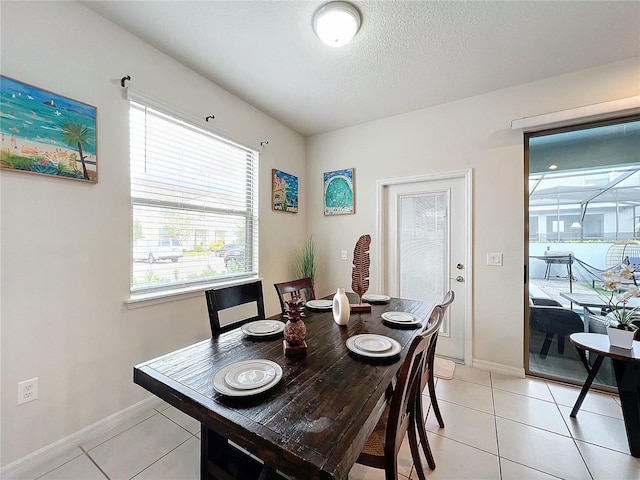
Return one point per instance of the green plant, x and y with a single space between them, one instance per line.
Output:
305 260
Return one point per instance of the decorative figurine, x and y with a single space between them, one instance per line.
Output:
360 273
295 331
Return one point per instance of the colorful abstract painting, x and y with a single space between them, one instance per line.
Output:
45 133
285 192
339 192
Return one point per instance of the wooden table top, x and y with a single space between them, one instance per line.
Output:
598 343
315 422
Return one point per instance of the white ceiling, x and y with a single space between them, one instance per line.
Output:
407 55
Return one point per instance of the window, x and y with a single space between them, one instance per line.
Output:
193 195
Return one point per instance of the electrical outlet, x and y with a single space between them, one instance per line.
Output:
27 391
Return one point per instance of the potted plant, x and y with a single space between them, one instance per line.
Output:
620 327
305 260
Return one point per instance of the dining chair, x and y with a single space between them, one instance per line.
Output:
224 298
399 416
294 288
426 378
429 367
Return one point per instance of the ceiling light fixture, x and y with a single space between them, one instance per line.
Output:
336 23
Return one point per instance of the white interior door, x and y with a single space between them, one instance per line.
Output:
426 251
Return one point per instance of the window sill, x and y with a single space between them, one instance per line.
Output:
155 298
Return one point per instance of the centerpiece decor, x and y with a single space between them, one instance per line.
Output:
619 321
360 273
295 331
341 311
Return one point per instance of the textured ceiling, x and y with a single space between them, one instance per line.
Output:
407 55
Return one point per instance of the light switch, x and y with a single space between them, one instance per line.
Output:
343 254
494 259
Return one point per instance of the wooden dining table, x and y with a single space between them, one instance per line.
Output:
313 423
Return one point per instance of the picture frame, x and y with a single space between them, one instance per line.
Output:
339 193
284 191
44 133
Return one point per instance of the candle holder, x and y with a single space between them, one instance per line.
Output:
295 331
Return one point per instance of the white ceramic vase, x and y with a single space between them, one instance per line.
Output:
341 307
620 338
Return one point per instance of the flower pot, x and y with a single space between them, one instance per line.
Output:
620 338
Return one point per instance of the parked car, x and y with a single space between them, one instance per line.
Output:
234 257
165 248
222 252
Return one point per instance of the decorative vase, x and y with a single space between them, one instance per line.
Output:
341 308
620 338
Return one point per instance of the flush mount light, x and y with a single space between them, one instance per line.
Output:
336 23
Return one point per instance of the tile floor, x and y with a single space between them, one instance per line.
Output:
496 427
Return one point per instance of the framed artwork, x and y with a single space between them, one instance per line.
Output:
284 192
45 133
339 192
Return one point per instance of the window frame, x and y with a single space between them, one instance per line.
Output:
185 287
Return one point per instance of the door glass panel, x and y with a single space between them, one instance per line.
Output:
423 246
584 206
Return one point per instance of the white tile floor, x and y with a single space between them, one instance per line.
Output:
496 427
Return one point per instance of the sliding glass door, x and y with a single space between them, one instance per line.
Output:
583 208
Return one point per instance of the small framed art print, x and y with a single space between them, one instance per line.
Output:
339 192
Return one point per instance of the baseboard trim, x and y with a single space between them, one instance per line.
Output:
498 368
66 444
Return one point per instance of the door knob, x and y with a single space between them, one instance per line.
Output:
459 278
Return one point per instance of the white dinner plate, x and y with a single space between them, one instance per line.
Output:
320 304
220 384
372 343
375 298
394 350
401 318
250 375
261 328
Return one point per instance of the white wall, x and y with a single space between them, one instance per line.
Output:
472 133
65 244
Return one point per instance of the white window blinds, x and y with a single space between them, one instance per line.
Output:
194 201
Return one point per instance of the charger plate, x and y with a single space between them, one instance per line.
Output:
261 328
401 318
352 344
235 371
319 304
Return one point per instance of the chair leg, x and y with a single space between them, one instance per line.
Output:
415 452
561 344
545 346
419 422
434 400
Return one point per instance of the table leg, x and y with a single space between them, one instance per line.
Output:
628 379
587 385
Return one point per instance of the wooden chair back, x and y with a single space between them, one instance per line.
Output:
294 289
228 297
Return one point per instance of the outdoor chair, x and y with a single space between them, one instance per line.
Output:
554 321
